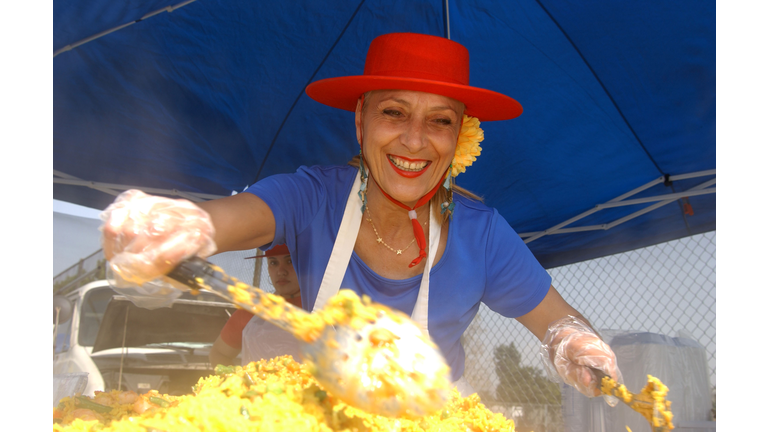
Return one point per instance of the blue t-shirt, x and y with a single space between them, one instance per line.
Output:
484 259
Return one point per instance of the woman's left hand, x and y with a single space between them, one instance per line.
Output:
573 349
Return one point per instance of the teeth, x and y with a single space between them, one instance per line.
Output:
408 166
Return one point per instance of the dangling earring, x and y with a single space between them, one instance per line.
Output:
448 204
363 184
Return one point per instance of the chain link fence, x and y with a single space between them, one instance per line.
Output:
243 266
666 289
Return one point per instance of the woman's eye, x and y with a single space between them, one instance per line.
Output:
392 112
444 121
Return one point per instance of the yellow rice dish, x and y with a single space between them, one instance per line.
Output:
268 395
397 375
651 398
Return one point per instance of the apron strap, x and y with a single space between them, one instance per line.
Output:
345 244
342 248
421 310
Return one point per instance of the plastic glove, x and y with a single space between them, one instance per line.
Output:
570 348
144 237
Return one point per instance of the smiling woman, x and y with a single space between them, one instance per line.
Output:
412 140
417 124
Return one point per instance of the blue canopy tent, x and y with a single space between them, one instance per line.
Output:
615 149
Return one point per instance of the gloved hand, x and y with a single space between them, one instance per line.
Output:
570 347
144 237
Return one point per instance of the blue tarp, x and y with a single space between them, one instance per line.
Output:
210 98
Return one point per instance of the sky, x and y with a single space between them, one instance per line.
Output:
75 234
75 210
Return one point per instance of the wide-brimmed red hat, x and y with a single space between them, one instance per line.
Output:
275 251
417 62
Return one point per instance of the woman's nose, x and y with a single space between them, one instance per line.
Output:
414 137
282 269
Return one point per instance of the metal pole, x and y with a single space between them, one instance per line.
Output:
447 21
122 352
115 189
168 9
56 330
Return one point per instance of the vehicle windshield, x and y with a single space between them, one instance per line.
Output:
91 313
95 303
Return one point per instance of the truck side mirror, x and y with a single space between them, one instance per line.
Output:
64 307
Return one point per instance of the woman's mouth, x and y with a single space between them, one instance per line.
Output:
408 167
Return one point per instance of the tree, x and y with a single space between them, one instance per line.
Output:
528 388
521 384
476 362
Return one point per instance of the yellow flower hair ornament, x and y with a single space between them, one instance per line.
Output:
468 146
467 150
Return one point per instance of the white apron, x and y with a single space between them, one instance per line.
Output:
262 340
342 253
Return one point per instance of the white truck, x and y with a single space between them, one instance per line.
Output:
122 346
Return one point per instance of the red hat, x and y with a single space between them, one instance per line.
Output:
417 62
275 251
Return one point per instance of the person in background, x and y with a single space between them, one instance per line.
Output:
254 337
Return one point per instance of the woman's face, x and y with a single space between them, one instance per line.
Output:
409 139
282 275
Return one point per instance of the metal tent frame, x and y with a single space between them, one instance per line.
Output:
705 188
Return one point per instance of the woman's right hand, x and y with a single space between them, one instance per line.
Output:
144 237
574 350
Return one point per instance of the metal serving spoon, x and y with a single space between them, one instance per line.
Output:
383 365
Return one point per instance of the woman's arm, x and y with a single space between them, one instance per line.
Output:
243 221
144 237
571 348
222 353
552 308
